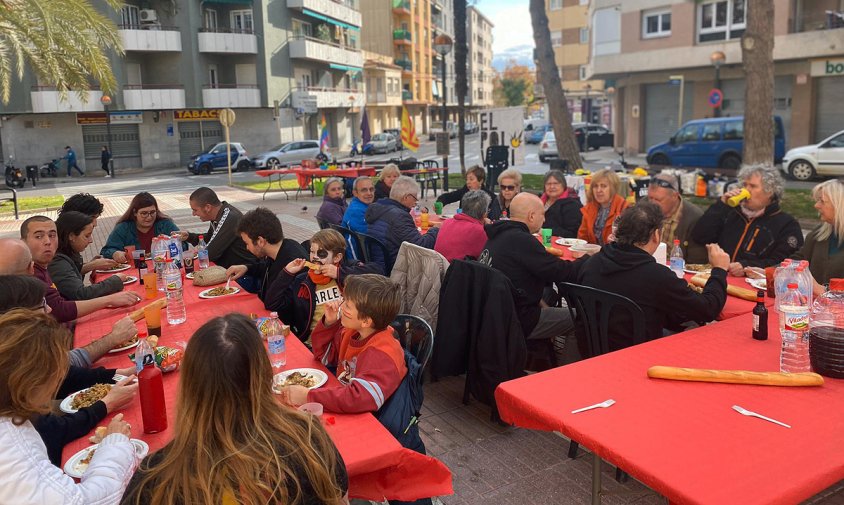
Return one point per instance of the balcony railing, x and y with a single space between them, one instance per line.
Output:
401 7
328 98
310 48
150 37
345 11
227 40
406 65
231 95
402 35
815 20
48 99
153 96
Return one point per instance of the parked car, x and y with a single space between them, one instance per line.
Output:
289 153
824 158
470 127
451 127
383 143
215 158
536 135
599 136
533 123
548 147
396 132
710 143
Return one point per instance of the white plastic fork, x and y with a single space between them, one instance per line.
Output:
745 412
602 405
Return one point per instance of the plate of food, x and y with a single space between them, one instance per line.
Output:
218 292
77 464
118 268
311 378
130 279
698 268
189 275
757 283
84 398
125 346
568 242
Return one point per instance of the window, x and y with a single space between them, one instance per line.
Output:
584 35
711 132
301 28
721 20
555 5
687 134
241 21
606 36
556 40
130 17
581 72
734 130
212 76
656 24
209 20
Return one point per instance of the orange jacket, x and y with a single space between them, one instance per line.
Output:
590 213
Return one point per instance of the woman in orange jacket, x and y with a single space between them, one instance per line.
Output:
603 205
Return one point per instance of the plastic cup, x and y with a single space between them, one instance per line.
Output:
769 281
312 408
130 249
438 208
152 315
733 201
546 237
151 285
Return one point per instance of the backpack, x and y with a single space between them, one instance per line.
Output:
400 413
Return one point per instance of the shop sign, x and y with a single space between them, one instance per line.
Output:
827 66
118 117
197 114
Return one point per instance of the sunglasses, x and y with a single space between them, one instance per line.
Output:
662 184
507 188
321 254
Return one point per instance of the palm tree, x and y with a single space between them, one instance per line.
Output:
460 84
65 43
757 54
550 78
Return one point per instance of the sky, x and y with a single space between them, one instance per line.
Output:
512 35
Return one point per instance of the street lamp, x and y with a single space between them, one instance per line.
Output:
106 101
587 88
717 58
443 45
611 96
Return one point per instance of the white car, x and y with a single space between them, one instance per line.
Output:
548 147
383 143
290 153
824 158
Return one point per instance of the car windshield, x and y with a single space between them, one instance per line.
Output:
280 146
380 136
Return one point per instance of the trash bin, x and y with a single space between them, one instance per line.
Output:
559 164
32 174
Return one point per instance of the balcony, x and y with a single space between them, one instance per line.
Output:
328 98
153 96
402 37
228 41
346 12
47 99
382 98
151 38
401 8
406 65
309 48
231 95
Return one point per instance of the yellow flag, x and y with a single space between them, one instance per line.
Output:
408 131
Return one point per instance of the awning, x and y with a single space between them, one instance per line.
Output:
233 2
335 66
328 19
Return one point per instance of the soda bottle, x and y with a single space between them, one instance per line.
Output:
187 260
676 261
423 219
276 335
794 323
202 253
142 267
175 303
760 317
151 392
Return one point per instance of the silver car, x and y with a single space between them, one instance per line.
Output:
284 155
383 143
548 146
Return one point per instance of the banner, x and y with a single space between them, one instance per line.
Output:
504 127
408 131
365 134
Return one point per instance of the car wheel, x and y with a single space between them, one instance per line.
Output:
242 166
730 162
272 163
801 170
659 159
542 159
205 168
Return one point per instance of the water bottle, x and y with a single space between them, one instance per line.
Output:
794 323
175 303
160 251
202 253
142 350
175 247
151 391
677 263
276 334
826 331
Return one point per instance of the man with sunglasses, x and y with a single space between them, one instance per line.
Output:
679 216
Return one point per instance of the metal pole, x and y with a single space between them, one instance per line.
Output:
596 479
588 120
682 97
445 123
108 141
717 111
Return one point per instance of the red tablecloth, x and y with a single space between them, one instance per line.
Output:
305 175
378 466
682 438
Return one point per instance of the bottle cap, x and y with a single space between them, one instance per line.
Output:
792 285
142 334
168 259
202 236
676 241
836 284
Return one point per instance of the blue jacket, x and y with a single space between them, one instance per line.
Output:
391 223
71 156
400 414
126 233
354 219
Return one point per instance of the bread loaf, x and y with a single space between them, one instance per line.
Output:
209 276
743 293
137 315
735 376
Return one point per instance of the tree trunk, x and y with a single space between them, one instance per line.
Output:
549 76
757 52
460 83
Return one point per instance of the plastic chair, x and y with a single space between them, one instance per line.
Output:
591 309
323 224
367 243
416 336
354 245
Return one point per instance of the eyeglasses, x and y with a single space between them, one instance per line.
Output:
147 213
415 198
507 188
662 184
321 254
370 189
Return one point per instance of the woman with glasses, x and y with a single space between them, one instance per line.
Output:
510 185
137 226
333 204
562 206
475 177
824 245
603 205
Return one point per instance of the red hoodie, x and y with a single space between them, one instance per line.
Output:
459 237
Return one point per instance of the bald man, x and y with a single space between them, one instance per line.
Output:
514 251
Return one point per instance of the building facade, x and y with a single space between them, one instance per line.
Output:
442 23
649 50
383 92
479 73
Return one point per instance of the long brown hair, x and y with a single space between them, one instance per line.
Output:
232 436
141 200
33 357
71 222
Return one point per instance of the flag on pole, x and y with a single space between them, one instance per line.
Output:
323 136
365 134
408 131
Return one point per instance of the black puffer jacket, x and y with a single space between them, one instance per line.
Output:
493 212
564 216
391 223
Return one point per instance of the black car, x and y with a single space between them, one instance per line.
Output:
598 136
397 134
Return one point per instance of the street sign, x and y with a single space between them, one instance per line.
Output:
443 144
715 98
226 117
307 103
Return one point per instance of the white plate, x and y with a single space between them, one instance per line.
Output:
319 375
694 272
130 279
115 270
74 468
570 241
189 276
65 407
124 348
204 294
757 283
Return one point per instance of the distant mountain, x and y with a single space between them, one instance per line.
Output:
522 54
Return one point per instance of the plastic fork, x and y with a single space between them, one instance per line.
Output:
228 281
750 413
602 405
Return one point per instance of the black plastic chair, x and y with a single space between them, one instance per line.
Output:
353 243
323 224
416 336
591 310
367 243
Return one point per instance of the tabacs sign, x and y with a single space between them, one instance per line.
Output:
196 114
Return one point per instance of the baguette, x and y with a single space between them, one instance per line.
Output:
735 376
743 293
137 315
555 251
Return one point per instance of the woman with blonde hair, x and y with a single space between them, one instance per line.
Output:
386 178
33 363
233 441
603 205
510 185
824 245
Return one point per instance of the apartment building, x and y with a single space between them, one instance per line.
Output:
568 21
442 23
645 50
479 73
279 69
383 92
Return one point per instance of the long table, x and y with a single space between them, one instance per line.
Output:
683 439
306 176
378 466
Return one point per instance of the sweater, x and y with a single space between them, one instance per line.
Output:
222 241
354 218
493 211
564 216
62 309
126 233
68 278
332 209
369 369
459 237
590 214
391 223
823 266
381 190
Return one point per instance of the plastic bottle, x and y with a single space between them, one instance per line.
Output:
424 223
160 252
677 263
175 303
151 391
175 246
276 344
142 267
826 331
700 187
202 253
142 350
794 323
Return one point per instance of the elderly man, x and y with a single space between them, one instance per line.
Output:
364 194
513 250
627 265
389 221
679 216
464 235
756 233
225 247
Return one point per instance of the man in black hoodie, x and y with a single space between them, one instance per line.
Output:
516 253
627 267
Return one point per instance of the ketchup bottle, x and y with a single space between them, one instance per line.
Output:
151 390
